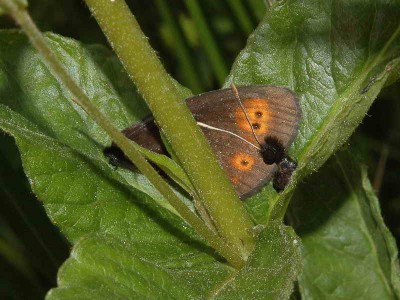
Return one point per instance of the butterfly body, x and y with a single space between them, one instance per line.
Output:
273 117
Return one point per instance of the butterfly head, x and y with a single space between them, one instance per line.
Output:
282 177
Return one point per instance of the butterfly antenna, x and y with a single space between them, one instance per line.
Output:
236 93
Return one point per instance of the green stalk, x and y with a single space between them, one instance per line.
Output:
182 51
176 123
208 41
240 12
258 7
13 254
23 19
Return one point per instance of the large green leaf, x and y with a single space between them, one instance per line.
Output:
146 272
119 230
336 55
348 251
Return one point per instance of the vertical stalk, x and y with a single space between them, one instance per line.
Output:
259 8
176 123
182 51
208 41
240 12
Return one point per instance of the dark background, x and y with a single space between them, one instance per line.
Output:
31 249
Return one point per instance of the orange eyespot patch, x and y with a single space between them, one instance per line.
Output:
258 113
242 161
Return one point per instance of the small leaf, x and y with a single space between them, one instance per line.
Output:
170 167
348 251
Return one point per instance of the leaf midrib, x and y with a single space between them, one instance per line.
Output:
337 108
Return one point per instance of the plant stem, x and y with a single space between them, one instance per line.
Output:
240 12
38 41
258 8
181 49
176 123
208 41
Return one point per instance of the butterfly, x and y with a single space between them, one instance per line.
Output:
249 128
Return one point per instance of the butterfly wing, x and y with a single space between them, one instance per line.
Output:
145 133
272 111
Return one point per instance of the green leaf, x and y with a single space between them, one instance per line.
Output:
348 251
160 273
170 167
126 245
270 270
336 55
43 100
83 202
102 268
57 125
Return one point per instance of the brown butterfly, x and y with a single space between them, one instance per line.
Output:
249 128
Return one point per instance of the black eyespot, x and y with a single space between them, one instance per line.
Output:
258 114
255 126
244 162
